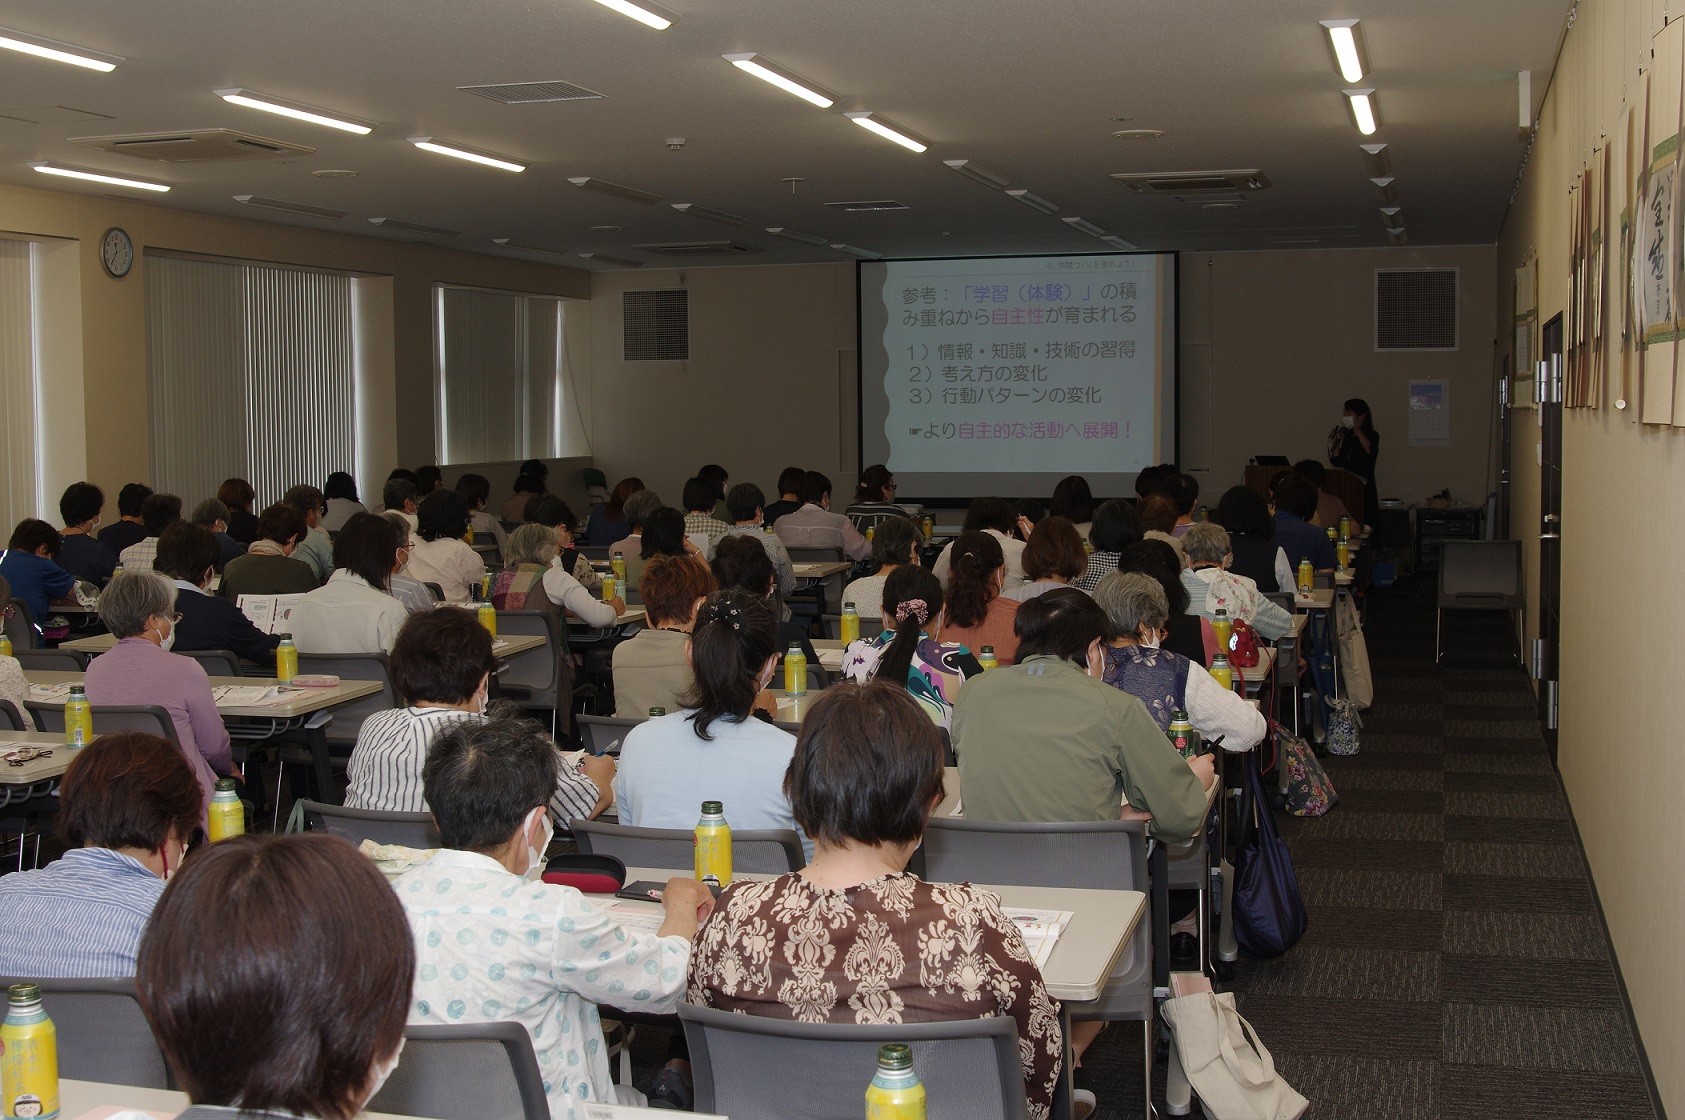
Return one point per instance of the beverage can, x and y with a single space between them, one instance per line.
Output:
1181 734
609 583
617 565
795 671
5 645
1343 551
986 658
469 535
286 659
485 587
488 617
1332 533
870 529
225 816
929 526
1221 672
1223 627
895 1092
29 1062
1345 527
1306 577
713 846
656 712
78 718
850 626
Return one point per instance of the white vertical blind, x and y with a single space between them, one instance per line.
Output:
196 344
19 467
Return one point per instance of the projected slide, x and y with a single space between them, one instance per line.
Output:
1002 375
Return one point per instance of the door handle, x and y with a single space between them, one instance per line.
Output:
1550 536
1552 519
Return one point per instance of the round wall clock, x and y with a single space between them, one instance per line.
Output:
117 252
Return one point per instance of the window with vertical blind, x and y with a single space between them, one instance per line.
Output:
502 377
20 473
253 373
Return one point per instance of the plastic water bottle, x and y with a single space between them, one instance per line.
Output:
850 626
78 718
713 846
795 671
895 1092
226 816
286 659
29 1056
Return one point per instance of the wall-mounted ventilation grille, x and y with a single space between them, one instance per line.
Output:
655 325
1415 309
531 93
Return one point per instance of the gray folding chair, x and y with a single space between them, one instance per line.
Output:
21 627
348 718
102 1035
215 662
465 1072
51 660
771 851
1104 855
411 830
742 1065
820 603
10 718
1479 575
542 677
604 734
110 718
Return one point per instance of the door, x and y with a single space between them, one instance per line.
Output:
1549 392
1506 386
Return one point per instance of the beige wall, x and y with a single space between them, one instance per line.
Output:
113 312
1621 485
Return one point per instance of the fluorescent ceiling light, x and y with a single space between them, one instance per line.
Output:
856 251
1365 113
784 78
459 151
711 215
414 227
67 172
892 132
58 52
615 190
1089 228
1119 243
1392 217
508 243
1377 157
1384 188
604 258
1397 236
290 207
1346 39
294 110
1034 201
971 169
650 15
789 234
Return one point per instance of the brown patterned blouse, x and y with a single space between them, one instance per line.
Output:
892 950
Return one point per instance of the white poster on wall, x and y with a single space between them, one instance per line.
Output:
1430 413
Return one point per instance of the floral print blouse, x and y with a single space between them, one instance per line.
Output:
892 950
934 675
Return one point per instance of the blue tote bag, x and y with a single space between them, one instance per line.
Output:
1269 914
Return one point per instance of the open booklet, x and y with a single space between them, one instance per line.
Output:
1041 929
270 613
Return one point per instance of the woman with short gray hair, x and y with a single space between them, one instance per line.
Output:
139 609
1164 681
1212 587
529 581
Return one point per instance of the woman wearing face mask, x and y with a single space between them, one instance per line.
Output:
139 610
1164 681
298 1011
1353 446
441 666
717 748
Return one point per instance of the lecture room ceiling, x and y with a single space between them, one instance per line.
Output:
1032 93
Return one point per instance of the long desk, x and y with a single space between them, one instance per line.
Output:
294 702
95 644
38 775
78 1097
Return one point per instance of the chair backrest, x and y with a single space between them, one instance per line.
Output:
1480 573
742 1065
215 662
435 590
20 626
771 851
10 718
538 670
815 555
465 1072
51 660
594 552
102 1035
412 830
604 734
348 718
111 718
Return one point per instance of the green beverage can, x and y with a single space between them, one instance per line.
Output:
1181 734
78 718
29 1057
713 846
657 712
895 1092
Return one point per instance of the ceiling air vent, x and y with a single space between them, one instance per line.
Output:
1415 309
194 145
533 93
696 248
878 204
1176 183
655 325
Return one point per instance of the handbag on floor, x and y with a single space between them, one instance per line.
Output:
1354 653
1343 724
1308 791
1269 914
1226 1063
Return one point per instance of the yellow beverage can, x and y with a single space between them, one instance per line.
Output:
849 629
895 1092
225 816
29 1057
986 658
286 659
5 645
795 671
1223 627
608 589
1344 552
488 618
1221 672
78 718
713 846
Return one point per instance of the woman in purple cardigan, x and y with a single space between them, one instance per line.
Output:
139 610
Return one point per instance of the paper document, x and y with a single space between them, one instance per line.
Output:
1041 929
48 693
637 917
272 614
830 658
242 695
627 1112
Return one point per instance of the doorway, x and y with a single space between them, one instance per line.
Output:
1545 660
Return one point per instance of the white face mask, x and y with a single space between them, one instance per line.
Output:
535 856
166 641
382 1072
1348 421
1151 642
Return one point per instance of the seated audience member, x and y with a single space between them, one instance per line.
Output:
441 555
1183 491
1246 515
342 501
874 500
157 513
476 490
700 498
1212 587
1295 505
128 807
1030 512
268 567
1164 681
411 592
539 954
715 747
530 581
429 479
790 481
81 553
28 565
744 504
306 979
14 686
651 668
866 775
1074 501
187 553
638 509
742 564
400 496
1053 557
213 516
441 667
975 613
895 544
609 524
1329 509
996 517
352 612
557 516
716 477
139 610
315 547
903 652
127 529
664 535
1158 521
531 480
237 494
1161 562
1116 526
815 526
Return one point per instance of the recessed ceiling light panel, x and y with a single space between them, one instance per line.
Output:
25 43
784 78
284 108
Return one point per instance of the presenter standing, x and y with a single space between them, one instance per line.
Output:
1353 446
